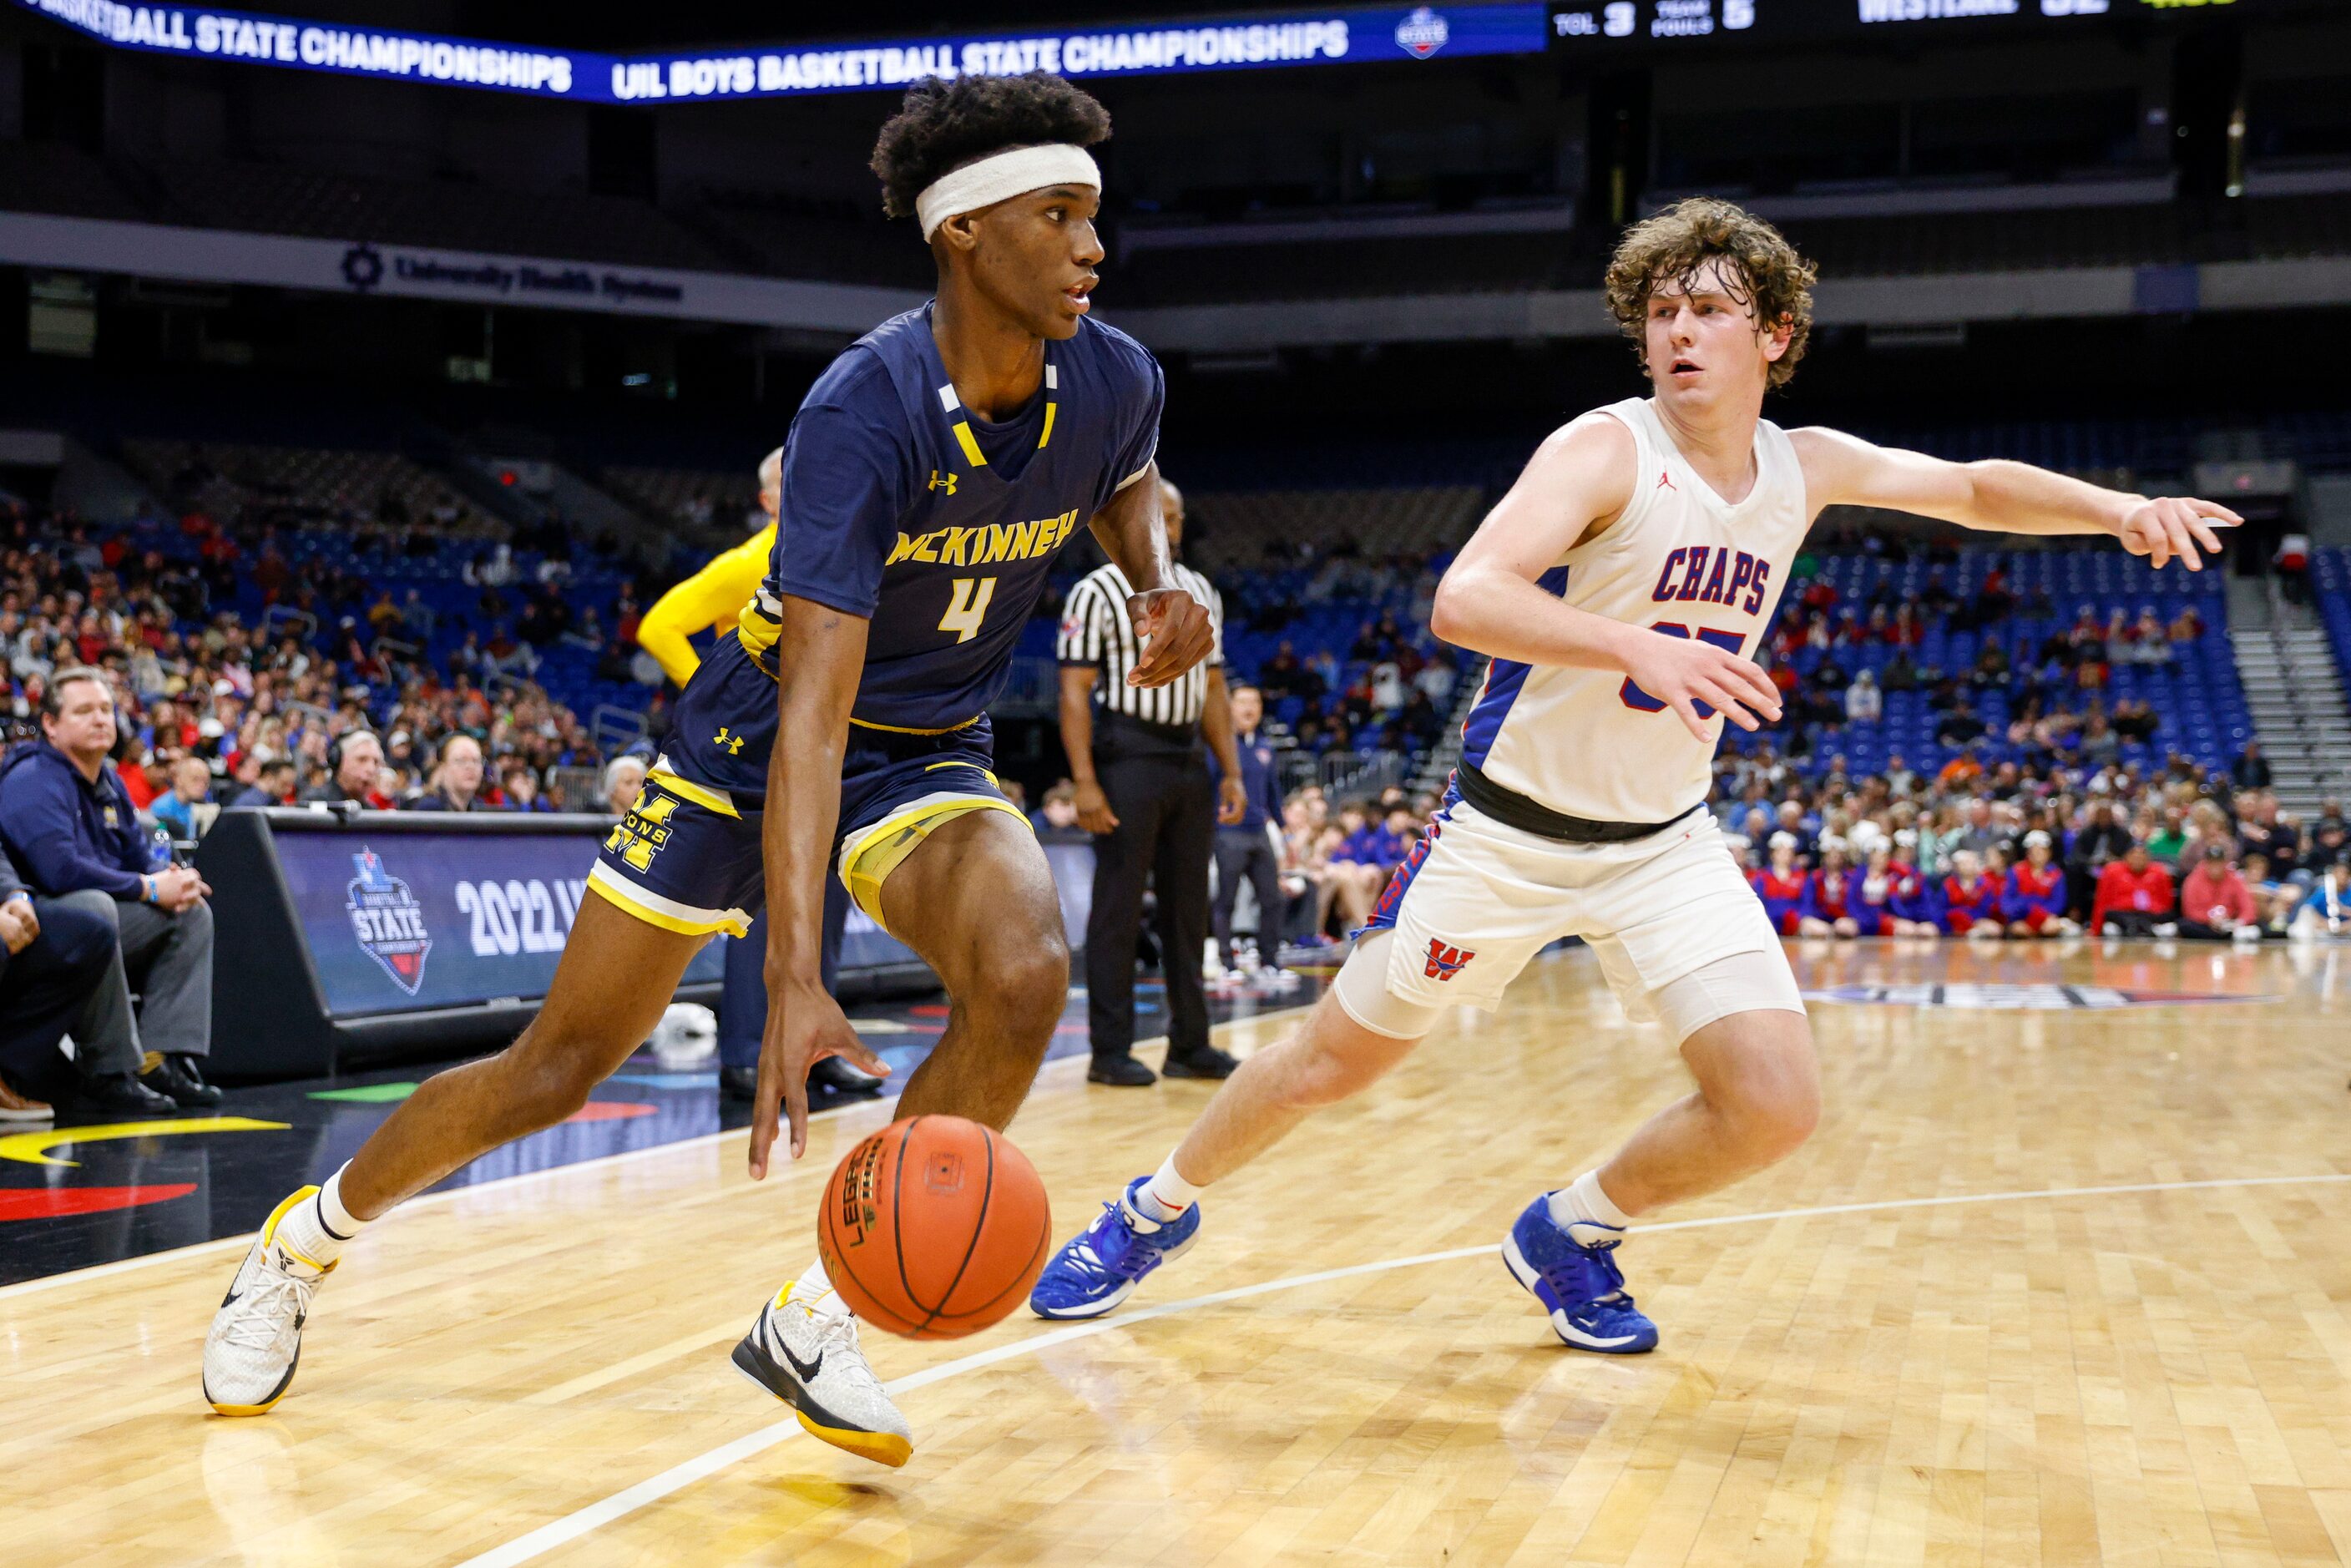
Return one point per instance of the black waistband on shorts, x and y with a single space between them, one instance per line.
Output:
1513 810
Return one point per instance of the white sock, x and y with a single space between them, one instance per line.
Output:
1166 1194
321 1228
812 1283
1587 1211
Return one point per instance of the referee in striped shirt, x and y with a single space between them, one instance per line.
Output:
1145 793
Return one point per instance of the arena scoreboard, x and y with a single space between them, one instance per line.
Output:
1607 27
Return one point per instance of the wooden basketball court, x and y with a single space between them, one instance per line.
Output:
2065 1278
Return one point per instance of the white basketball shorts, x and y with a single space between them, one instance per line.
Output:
1478 898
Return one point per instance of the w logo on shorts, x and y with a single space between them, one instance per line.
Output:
1444 962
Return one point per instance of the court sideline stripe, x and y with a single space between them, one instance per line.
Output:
424 1200
619 1504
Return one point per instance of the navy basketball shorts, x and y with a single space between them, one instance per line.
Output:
687 856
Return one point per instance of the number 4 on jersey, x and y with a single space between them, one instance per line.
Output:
1635 698
968 607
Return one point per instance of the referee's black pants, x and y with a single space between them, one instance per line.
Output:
1166 811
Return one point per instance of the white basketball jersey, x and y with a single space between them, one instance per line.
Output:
1680 560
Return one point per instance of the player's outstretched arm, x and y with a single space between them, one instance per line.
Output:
1491 600
2001 496
821 652
1172 625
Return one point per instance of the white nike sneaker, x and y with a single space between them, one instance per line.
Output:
257 1336
805 1353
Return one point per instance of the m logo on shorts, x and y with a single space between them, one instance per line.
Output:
1444 962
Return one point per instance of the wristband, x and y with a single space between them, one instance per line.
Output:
146 890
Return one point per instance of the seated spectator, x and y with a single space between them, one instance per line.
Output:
2276 900
1801 830
273 785
457 781
2327 910
2135 720
1864 703
1780 885
146 775
2251 770
519 782
2215 905
1959 726
175 811
1826 908
355 765
66 821
1359 864
1972 896
1872 898
624 776
2330 836
1059 812
53 959
1915 900
2134 897
1306 882
2033 901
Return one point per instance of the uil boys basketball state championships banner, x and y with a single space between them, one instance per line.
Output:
1307 38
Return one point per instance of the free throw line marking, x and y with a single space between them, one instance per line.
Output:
620 1504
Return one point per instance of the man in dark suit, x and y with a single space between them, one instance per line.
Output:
53 959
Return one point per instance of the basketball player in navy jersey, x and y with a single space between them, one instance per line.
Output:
929 478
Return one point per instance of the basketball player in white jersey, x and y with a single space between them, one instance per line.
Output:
1622 587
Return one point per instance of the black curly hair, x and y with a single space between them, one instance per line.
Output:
945 123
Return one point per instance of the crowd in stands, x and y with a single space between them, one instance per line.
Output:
1382 685
1836 663
328 694
140 693
2028 851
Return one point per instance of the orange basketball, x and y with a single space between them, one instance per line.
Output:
935 1228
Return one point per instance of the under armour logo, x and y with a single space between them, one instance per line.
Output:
1666 482
942 482
728 742
1444 962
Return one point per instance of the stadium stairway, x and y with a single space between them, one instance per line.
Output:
2297 706
1436 767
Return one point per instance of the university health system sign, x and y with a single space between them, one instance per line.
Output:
1352 37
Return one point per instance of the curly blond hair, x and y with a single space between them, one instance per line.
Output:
1763 269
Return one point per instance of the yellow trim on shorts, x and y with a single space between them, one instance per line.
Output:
906 729
702 795
881 849
620 898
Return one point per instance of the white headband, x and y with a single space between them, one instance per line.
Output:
1000 176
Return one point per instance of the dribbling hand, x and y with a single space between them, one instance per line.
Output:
1175 632
1682 673
804 1026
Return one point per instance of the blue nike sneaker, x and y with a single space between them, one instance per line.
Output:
1581 1286
1101 1266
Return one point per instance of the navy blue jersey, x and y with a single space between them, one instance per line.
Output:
901 506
